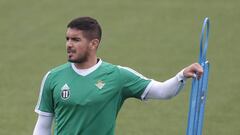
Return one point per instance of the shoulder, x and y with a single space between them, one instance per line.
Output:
58 70
61 68
108 67
122 69
126 71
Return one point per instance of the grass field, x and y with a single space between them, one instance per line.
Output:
155 37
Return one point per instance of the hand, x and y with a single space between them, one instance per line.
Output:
193 70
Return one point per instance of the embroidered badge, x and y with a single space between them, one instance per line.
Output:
100 84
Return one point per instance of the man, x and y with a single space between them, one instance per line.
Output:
85 95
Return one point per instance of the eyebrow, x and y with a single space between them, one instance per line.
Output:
73 38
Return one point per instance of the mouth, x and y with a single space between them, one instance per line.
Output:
70 52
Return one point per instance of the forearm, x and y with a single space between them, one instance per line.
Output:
43 125
166 89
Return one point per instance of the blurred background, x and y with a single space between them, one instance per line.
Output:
155 37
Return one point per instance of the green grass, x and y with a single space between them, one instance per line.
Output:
155 37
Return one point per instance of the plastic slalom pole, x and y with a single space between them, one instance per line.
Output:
203 98
199 87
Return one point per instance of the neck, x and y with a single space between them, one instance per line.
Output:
85 65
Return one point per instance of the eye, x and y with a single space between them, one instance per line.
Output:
73 39
76 39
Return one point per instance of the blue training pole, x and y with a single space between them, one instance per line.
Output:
199 87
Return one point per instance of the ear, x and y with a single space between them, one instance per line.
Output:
94 44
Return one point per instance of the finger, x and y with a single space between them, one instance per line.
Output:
194 76
198 68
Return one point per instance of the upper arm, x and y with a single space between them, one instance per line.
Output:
134 84
45 101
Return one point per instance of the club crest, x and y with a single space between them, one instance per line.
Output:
65 92
100 84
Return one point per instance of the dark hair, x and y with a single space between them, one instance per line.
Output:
90 27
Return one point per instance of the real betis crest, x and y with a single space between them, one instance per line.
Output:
65 92
100 84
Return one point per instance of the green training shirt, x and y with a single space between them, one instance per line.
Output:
87 105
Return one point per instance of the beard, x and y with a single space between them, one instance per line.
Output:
81 58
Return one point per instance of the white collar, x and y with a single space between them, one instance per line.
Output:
85 72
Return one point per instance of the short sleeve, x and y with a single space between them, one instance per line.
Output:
45 101
134 84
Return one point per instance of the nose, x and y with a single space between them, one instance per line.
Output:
69 43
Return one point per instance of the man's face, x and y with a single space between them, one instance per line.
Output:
78 47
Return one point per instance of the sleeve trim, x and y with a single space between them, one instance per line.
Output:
133 71
143 96
41 91
44 113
